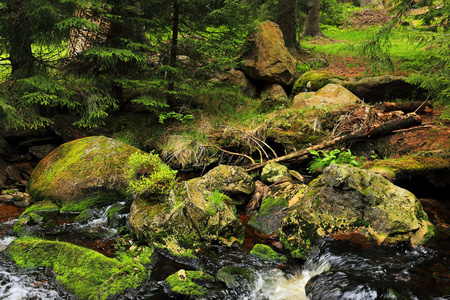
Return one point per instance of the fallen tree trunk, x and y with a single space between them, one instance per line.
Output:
407 107
407 121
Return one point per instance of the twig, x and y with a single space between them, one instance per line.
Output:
421 105
232 153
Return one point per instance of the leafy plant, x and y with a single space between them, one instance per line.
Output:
216 201
148 175
323 159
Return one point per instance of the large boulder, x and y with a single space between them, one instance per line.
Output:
344 199
267 57
233 181
275 206
331 95
191 217
82 174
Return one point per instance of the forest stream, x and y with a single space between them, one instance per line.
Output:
339 268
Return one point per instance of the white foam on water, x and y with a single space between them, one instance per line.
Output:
5 241
18 287
275 285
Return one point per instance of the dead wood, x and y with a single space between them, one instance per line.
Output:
368 132
407 107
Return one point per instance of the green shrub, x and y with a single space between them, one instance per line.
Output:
333 157
147 174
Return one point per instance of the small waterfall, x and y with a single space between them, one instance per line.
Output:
275 285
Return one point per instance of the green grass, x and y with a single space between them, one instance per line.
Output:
346 40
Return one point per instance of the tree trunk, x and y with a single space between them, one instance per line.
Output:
287 20
173 52
312 20
19 43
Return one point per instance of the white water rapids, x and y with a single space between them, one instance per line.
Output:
274 285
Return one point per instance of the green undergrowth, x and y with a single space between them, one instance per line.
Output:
86 273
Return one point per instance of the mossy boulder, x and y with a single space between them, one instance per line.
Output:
273 172
82 174
189 283
190 218
233 181
311 82
330 96
236 277
266 253
274 207
267 57
86 273
344 199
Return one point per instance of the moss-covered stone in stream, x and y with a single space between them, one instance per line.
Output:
344 199
81 174
266 253
188 219
86 273
274 207
235 277
187 283
42 208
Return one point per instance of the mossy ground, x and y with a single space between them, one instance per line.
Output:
87 273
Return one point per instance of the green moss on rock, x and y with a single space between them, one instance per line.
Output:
185 283
42 208
316 81
265 252
81 174
87 273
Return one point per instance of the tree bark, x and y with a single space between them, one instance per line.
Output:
287 20
173 52
368 132
19 43
312 20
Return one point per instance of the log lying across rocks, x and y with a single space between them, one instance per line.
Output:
374 131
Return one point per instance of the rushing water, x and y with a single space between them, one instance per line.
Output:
338 268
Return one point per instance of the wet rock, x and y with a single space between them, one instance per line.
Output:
82 174
331 95
275 206
190 218
346 198
268 58
273 172
235 277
